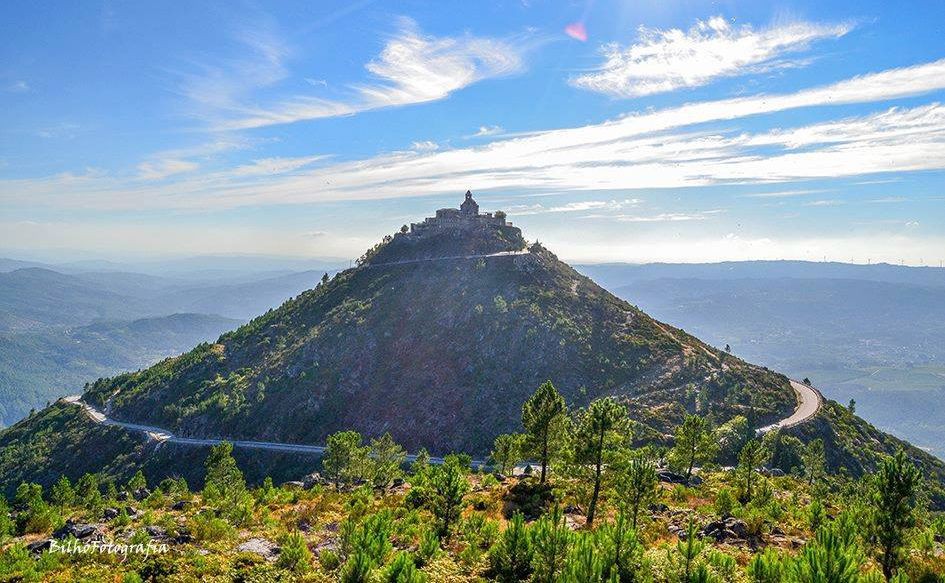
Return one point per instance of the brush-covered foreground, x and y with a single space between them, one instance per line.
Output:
446 523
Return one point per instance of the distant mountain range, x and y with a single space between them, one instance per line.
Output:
59 330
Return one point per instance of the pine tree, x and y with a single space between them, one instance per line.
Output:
294 554
814 460
62 493
507 451
598 436
752 457
387 457
894 501
637 486
511 558
584 564
137 482
622 551
543 415
448 485
695 443
345 458
551 540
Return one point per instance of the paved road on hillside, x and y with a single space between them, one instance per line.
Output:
161 435
809 401
452 258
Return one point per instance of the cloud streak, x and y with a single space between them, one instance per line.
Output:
660 149
666 60
412 68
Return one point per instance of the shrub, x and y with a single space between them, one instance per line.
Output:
725 502
294 555
403 570
511 558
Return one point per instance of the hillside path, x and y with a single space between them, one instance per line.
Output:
452 258
809 401
161 435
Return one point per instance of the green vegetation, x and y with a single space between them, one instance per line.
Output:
448 522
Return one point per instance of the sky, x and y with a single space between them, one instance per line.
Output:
639 131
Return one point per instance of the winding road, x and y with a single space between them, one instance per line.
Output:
809 401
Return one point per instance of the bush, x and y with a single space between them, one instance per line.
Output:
725 502
294 555
208 528
511 559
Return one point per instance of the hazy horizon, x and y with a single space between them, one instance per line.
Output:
611 131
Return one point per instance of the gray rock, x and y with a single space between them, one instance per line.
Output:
140 494
671 477
260 546
156 531
312 480
179 505
39 546
78 530
110 513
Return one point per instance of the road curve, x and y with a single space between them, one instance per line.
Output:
809 401
161 435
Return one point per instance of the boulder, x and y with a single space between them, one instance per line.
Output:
312 480
260 546
671 477
110 513
140 494
695 481
155 531
293 485
179 505
39 546
78 530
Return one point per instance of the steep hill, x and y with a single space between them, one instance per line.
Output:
439 339
439 350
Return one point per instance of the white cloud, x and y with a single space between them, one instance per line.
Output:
665 60
273 166
782 193
484 131
161 169
425 146
412 68
659 149
571 207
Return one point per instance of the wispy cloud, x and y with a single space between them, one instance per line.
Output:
485 131
274 166
18 86
659 149
161 169
782 193
412 68
665 60
424 146
571 207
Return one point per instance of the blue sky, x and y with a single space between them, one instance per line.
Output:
611 131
